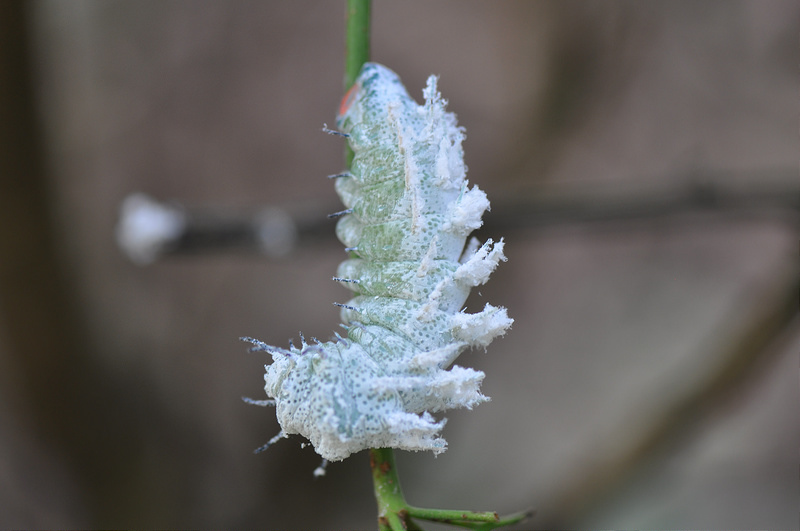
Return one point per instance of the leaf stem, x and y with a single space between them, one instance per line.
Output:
447 515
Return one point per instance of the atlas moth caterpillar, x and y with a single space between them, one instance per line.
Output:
408 214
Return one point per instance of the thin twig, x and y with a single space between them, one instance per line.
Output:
761 194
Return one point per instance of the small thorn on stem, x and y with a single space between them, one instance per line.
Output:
340 213
340 175
346 306
272 441
262 403
333 131
352 280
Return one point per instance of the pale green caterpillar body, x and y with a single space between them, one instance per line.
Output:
409 213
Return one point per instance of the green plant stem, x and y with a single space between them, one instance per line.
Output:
395 514
356 49
446 515
357 39
388 493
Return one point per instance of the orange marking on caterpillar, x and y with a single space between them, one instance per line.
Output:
348 98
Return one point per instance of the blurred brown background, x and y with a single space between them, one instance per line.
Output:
650 379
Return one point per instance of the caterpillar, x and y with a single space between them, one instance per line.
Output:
409 211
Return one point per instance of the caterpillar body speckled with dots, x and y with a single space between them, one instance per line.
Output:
409 212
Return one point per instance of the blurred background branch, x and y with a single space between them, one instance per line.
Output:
275 231
754 343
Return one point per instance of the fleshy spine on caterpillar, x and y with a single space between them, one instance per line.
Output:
408 214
